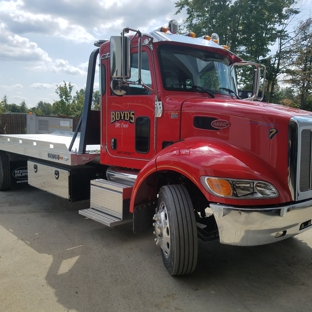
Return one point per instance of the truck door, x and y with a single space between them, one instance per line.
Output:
130 117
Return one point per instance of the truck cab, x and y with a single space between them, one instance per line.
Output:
173 68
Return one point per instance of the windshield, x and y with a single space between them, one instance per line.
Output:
190 69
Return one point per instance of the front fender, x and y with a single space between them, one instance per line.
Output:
201 156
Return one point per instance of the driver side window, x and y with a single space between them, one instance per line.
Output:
136 89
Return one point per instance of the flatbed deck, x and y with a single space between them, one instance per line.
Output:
50 147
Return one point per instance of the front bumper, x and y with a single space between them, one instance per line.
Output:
251 226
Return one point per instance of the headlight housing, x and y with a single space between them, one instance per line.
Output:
239 189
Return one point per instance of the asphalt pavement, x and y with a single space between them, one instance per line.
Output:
53 259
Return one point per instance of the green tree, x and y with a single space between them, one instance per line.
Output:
277 63
96 100
78 102
207 16
287 96
300 72
4 104
12 108
23 108
43 109
63 106
1 106
249 27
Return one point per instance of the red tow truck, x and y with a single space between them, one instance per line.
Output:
173 147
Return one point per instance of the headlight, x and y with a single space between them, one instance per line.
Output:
240 189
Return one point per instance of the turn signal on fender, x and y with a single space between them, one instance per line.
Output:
220 187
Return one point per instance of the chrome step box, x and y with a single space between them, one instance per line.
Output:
109 203
103 218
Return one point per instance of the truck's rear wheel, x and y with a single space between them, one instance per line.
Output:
5 179
175 229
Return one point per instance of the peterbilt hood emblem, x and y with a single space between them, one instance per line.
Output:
272 133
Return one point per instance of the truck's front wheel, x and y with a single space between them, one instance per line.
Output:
175 229
5 181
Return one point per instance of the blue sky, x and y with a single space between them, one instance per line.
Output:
44 42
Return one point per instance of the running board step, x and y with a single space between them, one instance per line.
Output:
110 202
102 217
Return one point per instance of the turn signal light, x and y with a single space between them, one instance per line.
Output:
164 29
240 189
220 187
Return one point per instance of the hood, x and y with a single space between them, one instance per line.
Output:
257 128
238 107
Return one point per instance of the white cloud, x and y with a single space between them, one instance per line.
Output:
21 21
61 66
15 47
42 86
12 87
72 32
19 98
84 66
80 21
47 41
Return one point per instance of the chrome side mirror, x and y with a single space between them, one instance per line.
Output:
120 57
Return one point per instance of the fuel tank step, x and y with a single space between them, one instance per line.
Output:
102 217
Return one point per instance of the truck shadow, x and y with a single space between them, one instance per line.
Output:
95 268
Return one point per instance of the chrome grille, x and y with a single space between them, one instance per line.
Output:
305 161
300 156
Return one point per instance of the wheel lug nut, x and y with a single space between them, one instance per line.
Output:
158 241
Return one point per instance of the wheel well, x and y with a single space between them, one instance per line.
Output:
146 201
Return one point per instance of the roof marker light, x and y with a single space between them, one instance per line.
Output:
207 37
191 34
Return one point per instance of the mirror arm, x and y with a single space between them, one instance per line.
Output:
139 57
123 45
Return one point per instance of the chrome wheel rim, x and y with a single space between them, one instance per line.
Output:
162 229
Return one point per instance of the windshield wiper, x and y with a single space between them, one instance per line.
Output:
209 92
230 91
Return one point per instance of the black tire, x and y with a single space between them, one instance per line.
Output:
5 178
175 229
